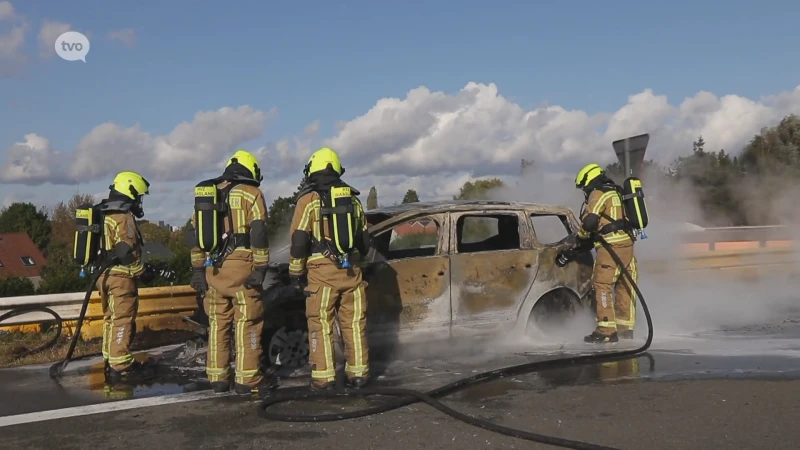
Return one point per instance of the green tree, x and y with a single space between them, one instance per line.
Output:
411 197
153 233
61 274
713 178
16 286
775 151
280 214
478 189
25 218
372 198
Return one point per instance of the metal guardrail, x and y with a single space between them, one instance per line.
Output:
152 302
166 301
759 234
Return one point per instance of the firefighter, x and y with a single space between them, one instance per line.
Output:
118 284
327 226
602 215
231 276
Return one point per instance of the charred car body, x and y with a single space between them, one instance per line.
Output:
446 270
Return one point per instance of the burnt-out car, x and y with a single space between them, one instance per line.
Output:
444 270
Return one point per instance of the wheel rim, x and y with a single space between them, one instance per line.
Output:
289 348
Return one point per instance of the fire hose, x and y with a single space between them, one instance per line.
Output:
431 398
57 368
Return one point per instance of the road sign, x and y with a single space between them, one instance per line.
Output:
630 153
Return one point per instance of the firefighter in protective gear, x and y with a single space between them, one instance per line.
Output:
118 284
232 287
601 215
328 224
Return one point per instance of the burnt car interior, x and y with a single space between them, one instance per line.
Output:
411 239
550 228
487 232
480 232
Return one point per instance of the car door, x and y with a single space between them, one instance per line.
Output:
493 264
409 279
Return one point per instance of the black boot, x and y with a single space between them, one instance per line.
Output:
137 371
326 387
220 387
600 338
357 382
262 389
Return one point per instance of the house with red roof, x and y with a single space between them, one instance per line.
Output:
19 257
416 226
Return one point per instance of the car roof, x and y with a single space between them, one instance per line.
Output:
465 205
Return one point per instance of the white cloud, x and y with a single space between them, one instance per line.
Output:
48 34
477 130
126 36
12 42
32 162
429 141
311 129
191 149
7 11
12 39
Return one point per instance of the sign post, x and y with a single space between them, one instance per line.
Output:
630 153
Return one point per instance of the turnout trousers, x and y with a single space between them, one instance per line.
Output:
235 314
619 313
119 298
332 291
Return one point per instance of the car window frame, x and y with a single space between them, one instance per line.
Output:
442 219
523 227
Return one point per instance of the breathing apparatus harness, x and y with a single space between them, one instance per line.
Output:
410 396
634 209
212 209
337 204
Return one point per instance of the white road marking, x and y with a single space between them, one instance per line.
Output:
120 405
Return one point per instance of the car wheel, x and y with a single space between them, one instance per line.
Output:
554 313
287 346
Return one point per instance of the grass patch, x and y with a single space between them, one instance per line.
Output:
12 345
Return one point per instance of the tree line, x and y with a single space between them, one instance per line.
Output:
749 189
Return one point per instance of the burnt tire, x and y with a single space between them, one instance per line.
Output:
556 311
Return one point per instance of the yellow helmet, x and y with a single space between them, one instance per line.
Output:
130 184
320 161
249 162
587 174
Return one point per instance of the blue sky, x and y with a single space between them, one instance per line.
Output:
332 61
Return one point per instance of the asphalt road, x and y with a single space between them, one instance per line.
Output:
741 414
720 387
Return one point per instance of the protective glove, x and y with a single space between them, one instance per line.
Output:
563 258
148 274
256 279
584 245
198 282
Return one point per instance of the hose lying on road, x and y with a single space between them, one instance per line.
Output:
57 368
430 398
44 309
